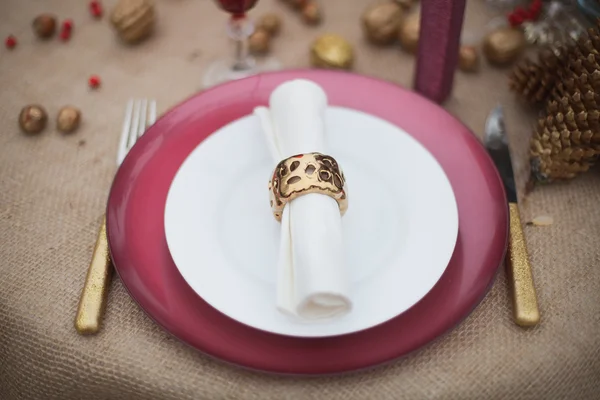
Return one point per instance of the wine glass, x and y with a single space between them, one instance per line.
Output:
239 28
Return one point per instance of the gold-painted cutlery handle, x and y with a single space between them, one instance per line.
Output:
525 304
93 296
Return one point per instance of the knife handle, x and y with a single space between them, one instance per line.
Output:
94 294
525 305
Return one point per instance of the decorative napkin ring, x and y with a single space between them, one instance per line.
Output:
303 174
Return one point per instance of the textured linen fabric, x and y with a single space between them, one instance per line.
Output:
53 190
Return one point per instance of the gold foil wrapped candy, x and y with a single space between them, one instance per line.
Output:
409 33
311 13
259 42
331 51
68 119
381 22
33 118
271 23
133 19
504 45
468 59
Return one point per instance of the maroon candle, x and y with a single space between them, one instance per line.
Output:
439 41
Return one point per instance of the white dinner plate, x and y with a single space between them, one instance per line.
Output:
399 231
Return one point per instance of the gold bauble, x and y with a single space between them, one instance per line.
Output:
259 42
409 33
270 22
468 59
133 19
504 45
331 51
33 118
44 26
311 13
381 22
68 119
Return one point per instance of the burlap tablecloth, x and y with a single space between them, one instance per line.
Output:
53 190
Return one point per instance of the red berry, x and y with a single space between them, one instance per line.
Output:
68 24
10 42
65 35
520 11
96 9
514 20
94 81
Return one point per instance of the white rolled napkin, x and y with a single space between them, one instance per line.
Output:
312 283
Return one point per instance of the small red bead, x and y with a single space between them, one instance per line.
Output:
68 24
10 42
94 81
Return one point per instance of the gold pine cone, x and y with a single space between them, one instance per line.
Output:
381 22
134 20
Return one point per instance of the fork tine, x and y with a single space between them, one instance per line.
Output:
122 151
152 113
135 125
143 118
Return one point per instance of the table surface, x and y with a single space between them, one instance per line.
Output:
53 190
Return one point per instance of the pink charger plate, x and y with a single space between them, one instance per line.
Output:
135 224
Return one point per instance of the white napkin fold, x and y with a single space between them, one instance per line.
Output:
312 283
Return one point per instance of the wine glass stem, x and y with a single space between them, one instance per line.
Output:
240 29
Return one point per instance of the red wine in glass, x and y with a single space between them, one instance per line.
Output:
239 28
237 8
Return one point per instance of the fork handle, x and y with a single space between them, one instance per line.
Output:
525 305
93 296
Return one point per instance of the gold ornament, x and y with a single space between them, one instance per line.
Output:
68 119
331 51
504 45
311 13
33 118
133 19
468 59
409 33
44 26
259 42
270 23
303 174
381 22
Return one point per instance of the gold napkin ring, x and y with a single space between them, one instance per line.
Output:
303 174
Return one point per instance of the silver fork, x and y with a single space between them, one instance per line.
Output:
139 115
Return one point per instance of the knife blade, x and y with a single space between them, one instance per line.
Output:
525 305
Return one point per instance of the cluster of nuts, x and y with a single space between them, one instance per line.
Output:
309 10
33 119
267 27
385 23
44 25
